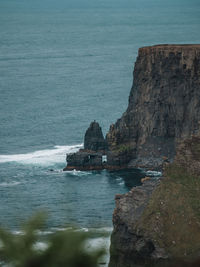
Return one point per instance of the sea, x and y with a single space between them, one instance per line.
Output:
63 64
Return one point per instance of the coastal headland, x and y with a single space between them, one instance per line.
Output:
163 108
158 223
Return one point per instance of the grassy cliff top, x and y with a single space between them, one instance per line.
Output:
172 217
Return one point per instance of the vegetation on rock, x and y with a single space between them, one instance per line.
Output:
123 148
172 216
167 218
63 248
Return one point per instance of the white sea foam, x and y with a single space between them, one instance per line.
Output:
42 157
78 173
153 173
7 184
17 232
102 230
41 246
96 243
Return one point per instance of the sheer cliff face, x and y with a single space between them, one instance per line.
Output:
164 104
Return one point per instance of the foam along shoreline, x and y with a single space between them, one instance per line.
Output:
42 157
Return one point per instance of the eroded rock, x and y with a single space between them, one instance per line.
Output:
164 104
94 139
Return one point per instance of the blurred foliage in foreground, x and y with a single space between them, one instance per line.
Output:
63 248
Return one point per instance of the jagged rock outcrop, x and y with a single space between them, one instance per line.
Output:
95 154
164 107
129 248
161 219
92 156
94 139
164 104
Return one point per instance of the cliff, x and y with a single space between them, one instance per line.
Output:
164 105
163 108
161 219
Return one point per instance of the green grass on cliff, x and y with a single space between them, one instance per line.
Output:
172 217
123 148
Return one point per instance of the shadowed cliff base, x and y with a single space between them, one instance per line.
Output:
163 108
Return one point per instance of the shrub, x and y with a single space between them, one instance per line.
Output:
63 248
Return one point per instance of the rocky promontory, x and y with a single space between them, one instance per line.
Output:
163 108
96 155
158 224
160 220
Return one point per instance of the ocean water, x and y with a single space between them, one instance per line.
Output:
62 65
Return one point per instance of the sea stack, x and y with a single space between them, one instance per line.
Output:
94 139
94 154
163 108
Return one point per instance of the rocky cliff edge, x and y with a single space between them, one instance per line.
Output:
159 223
163 108
164 105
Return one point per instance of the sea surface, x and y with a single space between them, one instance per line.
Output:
64 64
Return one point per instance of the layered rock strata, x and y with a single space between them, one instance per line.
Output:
164 104
163 108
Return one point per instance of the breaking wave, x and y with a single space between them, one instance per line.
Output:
154 173
5 184
78 173
42 157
